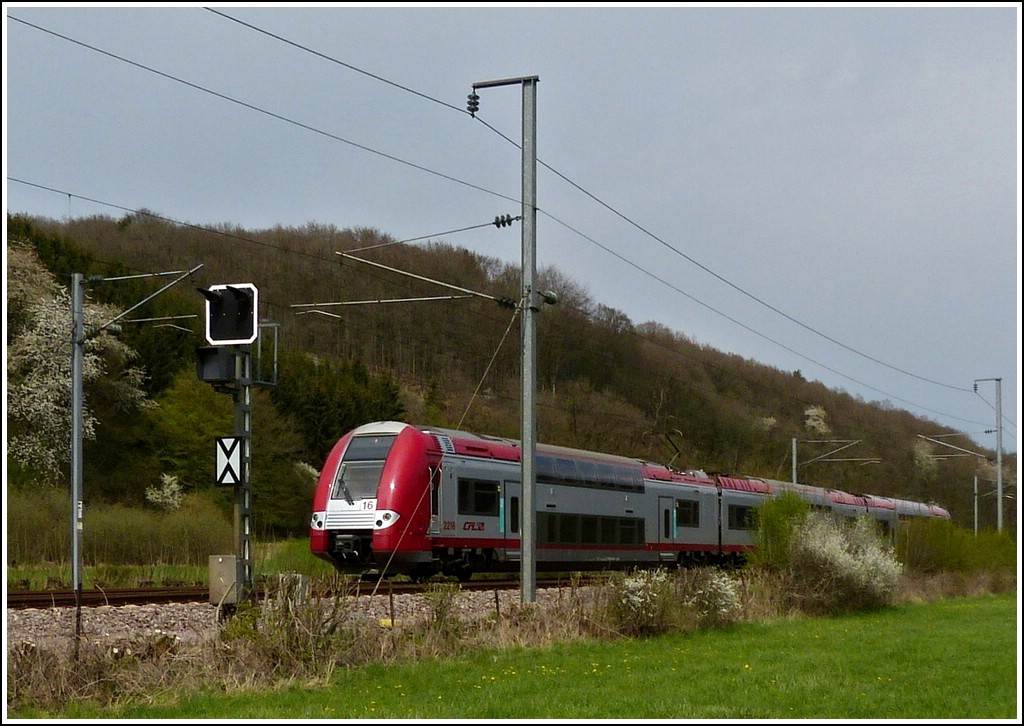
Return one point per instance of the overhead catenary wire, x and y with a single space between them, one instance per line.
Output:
272 114
500 300
625 218
453 179
498 395
490 363
574 184
421 277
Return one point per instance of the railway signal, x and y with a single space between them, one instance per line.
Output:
231 328
231 313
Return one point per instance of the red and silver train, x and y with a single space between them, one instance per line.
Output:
399 499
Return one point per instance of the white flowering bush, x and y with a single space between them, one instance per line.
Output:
168 495
39 367
841 566
641 602
714 596
306 471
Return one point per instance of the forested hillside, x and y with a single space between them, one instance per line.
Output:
605 382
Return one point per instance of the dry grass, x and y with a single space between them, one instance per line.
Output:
285 641
916 587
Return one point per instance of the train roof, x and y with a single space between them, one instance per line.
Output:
509 449
483 444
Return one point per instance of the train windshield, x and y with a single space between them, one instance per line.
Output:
361 467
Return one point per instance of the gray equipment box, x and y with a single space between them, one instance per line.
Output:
222 580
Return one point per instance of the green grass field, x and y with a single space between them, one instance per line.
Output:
949 659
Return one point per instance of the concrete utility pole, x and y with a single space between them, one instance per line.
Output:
975 505
77 354
999 446
78 338
531 306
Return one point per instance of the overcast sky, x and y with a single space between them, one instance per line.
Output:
825 189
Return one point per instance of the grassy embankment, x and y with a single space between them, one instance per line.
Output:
953 658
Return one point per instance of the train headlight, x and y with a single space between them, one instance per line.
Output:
318 521
385 519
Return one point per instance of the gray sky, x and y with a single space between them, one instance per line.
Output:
834 190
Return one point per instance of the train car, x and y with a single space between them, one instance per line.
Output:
393 498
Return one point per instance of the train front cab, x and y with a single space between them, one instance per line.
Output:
368 510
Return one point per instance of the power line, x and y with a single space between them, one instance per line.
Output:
566 179
762 335
264 111
630 221
330 59
278 248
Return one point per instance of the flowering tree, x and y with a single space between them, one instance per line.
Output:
814 420
39 367
924 459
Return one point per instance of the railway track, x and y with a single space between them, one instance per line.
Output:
159 595
96 597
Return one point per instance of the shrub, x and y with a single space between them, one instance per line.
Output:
38 525
640 602
190 534
288 634
776 520
936 545
714 596
166 495
841 566
443 631
38 531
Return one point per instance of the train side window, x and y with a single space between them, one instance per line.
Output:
629 531
568 529
623 478
478 497
609 530
589 473
588 530
687 513
545 469
547 527
606 476
566 471
628 480
513 514
742 517
667 524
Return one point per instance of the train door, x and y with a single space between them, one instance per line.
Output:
666 529
435 501
512 518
